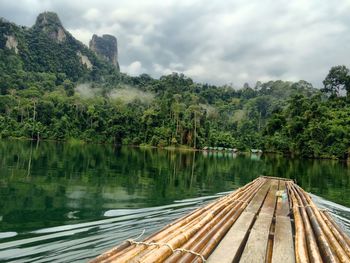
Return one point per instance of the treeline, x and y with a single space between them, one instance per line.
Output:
318 126
275 116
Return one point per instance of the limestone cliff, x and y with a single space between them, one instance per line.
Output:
106 47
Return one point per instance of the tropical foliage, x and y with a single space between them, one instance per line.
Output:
46 93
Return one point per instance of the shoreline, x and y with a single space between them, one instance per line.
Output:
178 148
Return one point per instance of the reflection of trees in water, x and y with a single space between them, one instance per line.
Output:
49 177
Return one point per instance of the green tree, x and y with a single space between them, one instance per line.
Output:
337 79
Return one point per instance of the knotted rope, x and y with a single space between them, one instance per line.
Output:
181 250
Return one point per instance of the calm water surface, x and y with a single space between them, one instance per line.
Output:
64 203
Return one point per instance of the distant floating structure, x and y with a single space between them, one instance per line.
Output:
221 149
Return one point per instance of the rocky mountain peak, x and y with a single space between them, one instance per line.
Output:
106 47
50 23
48 19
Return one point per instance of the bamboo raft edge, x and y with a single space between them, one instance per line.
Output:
270 219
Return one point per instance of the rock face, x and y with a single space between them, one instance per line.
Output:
49 23
106 47
11 43
84 60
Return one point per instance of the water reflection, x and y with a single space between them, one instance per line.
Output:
255 157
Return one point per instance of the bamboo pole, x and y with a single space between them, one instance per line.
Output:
328 255
110 253
301 253
340 238
330 246
216 234
334 225
314 253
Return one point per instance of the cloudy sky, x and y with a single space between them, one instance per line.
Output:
220 42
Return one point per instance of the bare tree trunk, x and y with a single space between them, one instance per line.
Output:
177 125
30 160
259 125
195 130
34 113
20 109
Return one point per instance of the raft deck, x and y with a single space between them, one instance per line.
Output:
268 220
262 231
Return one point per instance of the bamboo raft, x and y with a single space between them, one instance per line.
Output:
268 220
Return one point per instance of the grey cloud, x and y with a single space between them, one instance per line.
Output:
233 41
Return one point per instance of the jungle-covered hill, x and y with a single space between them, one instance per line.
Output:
54 87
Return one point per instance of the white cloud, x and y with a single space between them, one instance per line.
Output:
134 69
160 70
196 71
92 14
217 41
81 34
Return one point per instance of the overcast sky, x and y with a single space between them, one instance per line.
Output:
220 42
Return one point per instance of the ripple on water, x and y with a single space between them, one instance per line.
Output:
7 234
79 242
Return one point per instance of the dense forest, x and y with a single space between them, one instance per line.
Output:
46 94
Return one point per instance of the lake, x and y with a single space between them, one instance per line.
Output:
62 202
